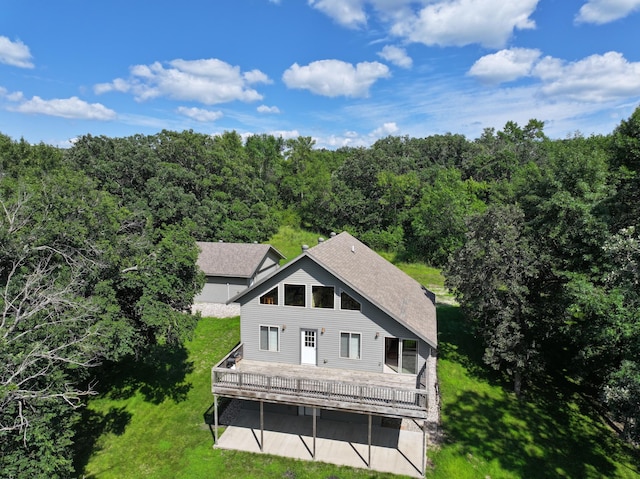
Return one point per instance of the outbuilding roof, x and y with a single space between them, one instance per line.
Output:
237 260
380 282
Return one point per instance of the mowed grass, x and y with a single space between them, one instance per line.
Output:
551 432
148 422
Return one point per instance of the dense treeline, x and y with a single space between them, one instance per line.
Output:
539 240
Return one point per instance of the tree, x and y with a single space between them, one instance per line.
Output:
437 223
490 275
82 280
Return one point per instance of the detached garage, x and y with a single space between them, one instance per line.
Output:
230 268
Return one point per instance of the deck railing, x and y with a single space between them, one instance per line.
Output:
230 380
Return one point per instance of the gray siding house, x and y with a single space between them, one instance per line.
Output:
338 330
231 268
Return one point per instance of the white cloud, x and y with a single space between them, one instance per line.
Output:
385 130
66 108
463 22
605 11
505 65
597 78
208 81
268 109
15 53
349 13
396 55
200 114
286 134
334 78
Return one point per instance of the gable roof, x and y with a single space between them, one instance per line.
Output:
376 279
238 260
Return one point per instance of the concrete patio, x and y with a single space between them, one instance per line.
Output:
393 449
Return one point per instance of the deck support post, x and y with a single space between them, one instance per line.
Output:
261 426
424 447
215 419
369 442
314 433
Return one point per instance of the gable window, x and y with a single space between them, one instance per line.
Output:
350 345
294 295
322 296
347 302
269 338
270 297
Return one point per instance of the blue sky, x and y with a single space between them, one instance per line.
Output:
345 72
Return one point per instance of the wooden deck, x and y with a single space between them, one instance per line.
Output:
393 395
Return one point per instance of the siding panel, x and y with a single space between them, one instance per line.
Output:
369 322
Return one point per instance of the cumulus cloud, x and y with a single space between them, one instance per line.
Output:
200 114
505 65
334 78
208 81
605 11
396 55
15 53
463 22
596 78
385 130
268 109
438 22
349 13
66 108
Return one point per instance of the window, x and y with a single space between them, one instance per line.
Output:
350 345
322 296
347 302
271 297
294 295
269 338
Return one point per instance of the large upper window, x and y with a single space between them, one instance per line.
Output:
270 297
322 296
294 295
350 345
269 338
347 302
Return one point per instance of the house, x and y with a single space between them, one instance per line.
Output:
231 268
336 332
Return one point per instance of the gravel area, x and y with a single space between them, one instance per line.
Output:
216 310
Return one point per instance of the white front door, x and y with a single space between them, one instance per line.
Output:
308 347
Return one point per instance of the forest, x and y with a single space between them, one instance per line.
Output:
538 238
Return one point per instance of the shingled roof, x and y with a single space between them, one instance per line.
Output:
375 278
382 283
237 260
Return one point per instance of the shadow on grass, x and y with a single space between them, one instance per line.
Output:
457 343
158 376
552 431
90 427
533 439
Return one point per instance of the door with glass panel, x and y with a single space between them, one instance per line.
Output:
309 346
401 355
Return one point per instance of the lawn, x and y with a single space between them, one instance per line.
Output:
148 421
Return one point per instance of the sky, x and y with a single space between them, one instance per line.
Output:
344 72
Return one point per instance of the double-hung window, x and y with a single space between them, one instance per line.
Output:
269 338
350 345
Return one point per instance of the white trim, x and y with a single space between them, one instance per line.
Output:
350 333
284 294
323 286
269 326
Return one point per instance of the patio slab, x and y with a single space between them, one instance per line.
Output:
343 443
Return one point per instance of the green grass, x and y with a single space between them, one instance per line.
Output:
552 432
289 240
148 423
